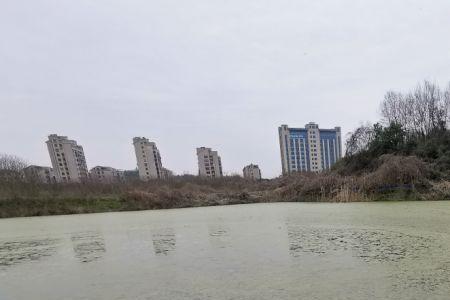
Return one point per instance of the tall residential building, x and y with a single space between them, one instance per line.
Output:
148 159
39 174
106 174
309 149
252 172
209 163
68 160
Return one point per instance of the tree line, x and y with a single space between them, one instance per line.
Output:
413 123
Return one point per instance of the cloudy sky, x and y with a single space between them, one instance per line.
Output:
223 74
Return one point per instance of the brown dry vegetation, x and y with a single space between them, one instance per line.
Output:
390 177
28 199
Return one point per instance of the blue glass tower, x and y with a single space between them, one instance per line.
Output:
309 149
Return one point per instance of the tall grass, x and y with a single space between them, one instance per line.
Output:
391 177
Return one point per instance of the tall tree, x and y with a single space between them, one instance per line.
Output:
419 112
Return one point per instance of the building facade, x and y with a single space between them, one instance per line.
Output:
68 160
148 159
131 175
39 174
106 175
166 173
209 163
252 172
309 149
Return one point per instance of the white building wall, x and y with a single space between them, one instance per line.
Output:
315 160
209 163
40 174
148 159
283 132
252 172
106 174
68 159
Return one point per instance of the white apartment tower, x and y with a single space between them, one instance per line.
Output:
252 172
209 163
68 160
148 159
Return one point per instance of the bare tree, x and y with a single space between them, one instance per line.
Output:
447 106
389 107
420 112
11 168
359 139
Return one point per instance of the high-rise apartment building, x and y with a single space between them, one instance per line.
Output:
252 172
209 163
309 149
106 174
68 160
148 159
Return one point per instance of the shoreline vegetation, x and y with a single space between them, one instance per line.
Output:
40 200
394 177
405 156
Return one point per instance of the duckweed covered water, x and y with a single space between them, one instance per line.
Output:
263 251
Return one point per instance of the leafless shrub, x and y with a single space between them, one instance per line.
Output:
395 171
440 190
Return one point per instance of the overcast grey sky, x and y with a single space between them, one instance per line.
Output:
223 74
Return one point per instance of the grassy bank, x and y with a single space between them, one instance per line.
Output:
26 199
391 178
62 206
140 200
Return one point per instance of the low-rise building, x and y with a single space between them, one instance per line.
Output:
167 173
209 163
106 174
131 175
252 172
39 174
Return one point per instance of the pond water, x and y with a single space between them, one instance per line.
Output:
389 250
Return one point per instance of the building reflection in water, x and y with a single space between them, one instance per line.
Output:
16 252
88 246
303 239
164 241
366 244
